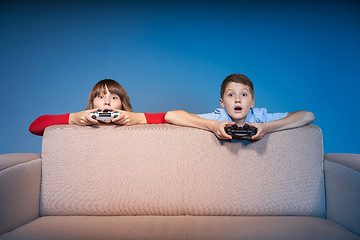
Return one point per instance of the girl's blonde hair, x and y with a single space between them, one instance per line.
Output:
114 88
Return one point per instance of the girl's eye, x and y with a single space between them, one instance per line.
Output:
101 97
114 98
230 94
244 94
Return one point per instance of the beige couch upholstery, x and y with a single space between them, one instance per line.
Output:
170 182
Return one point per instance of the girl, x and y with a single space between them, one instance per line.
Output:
105 95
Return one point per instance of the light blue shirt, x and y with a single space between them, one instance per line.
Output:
255 115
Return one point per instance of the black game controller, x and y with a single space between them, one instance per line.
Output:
105 115
244 132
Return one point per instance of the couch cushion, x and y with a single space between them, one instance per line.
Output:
12 159
171 170
19 190
109 227
180 227
343 195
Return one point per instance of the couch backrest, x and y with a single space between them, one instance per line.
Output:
171 170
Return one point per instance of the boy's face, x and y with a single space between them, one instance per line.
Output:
237 101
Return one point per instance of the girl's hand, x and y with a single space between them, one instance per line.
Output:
83 118
262 130
218 128
129 118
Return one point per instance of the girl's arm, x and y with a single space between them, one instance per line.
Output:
83 118
155 118
294 119
183 118
38 126
131 118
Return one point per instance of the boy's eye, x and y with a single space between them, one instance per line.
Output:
230 94
114 98
244 94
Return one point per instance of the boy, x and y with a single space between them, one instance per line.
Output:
237 107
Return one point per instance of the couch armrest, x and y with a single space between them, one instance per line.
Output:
342 182
20 175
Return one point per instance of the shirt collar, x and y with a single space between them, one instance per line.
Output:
250 117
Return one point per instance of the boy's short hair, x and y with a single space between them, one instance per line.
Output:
237 78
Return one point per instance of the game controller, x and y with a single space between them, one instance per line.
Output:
105 115
236 132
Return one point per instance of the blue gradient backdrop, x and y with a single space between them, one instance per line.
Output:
301 55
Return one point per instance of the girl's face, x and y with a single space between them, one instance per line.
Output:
106 101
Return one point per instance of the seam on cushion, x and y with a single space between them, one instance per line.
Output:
126 128
340 164
163 126
183 174
20 164
186 227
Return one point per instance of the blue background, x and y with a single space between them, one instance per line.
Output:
301 55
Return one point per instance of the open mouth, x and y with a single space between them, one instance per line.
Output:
238 108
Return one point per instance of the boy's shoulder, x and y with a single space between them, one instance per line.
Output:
219 114
261 115
258 111
255 115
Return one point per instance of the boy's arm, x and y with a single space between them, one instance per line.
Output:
292 120
183 118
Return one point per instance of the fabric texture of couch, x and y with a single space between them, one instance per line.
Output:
170 182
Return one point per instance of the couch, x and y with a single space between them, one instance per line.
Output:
170 182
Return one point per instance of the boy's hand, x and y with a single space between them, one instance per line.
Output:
129 118
262 130
83 118
218 128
